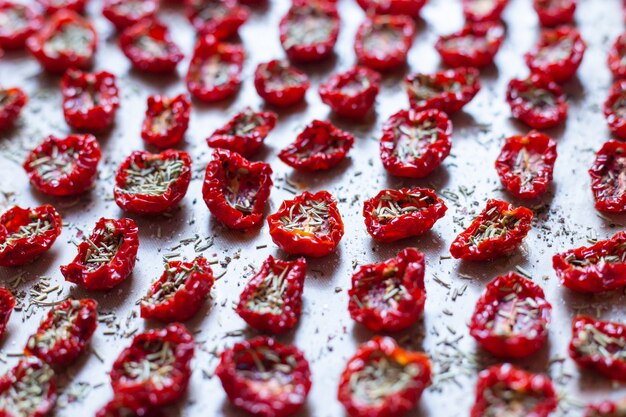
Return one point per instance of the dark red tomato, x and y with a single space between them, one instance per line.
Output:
152 183
383 42
106 258
447 91
525 164
17 23
414 143
475 45
272 300
127 407
383 380
606 409
280 84
615 109
537 101
617 57
150 48
245 132
511 318
320 146
599 346
265 378
68 40
215 69
483 10
558 54
351 93
180 291
392 7
155 369
397 214
25 234
64 166
599 267
220 18
53 6
167 120
65 333
12 100
497 231
7 303
236 190
28 390
608 177
308 225
504 390
90 100
309 30
555 12
126 13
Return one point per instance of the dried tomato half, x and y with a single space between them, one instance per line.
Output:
90 100
606 409
65 333
497 231
397 214
7 303
608 177
220 18
12 100
383 380
179 293
537 101
555 12
558 54
617 57
155 368
447 91
152 183
280 84
507 391
167 120
53 6
28 390
383 42
125 13
525 164
106 258
272 299
309 30
68 40
308 225
410 8
475 45
351 93
414 143
17 23
245 132
599 346
27 233
215 69
483 10
64 166
236 190
150 48
127 407
615 109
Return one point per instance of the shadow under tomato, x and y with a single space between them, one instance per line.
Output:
319 179
497 267
287 112
437 180
156 80
411 338
229 410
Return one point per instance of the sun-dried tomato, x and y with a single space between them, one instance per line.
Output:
280 84
28 390
537 101
220 18
124 406
483 10
447 91
125 13
558 54
555 12
12 100
7 303
606 409
106 258
245 132
53 6
167 120
17 23
475 45
351 93
383 42
150 48
617 57
615 109
410 8
608 177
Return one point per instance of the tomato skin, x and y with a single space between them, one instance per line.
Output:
12 38
26 249
393 405
107 275
287 94
10 112
178 108
534 143
351 104
615 56
559 13
258 176
395 56
123 19
222 27
409 8
615 100
606 409
7 304
48 397
52 7
446 101
562 69
122 406
148 61
523 109
488 15
479 56
243 392
612 152
247 142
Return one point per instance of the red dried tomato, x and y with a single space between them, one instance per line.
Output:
483 10
608 177
410 8
272 299
127 407
167 120
7 303
180 292
383 380
245 132
280 84
236 190
265 378
537 101
497 231
152 183
511 318
150 48
309 30
12 100
599 346
28 390
351 93
447 91
525 164
106 258
507 390
68 40
53 6
155 369
397 214
599 267
383 42
125 13
617 57
475 45
615 109
64 166
90 100
215 69
558 54
606 409
414 143
555 12
27 233
220 18
17 23
65 333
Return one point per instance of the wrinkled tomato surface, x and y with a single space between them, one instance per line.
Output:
537 101
150 48
608 177
617 57
410 8
7 304
126 13
12 100
555 12
166 121
17 23
558 54
280 84
245 132
383 42
351 93
615 109
475 45
220 18
483 10
29 388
